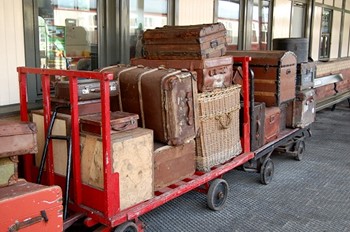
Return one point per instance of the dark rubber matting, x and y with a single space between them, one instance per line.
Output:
308 195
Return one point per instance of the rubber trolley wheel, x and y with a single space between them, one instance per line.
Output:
126 227
299 148
266 171
217 194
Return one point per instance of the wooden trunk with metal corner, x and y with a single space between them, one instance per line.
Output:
211 73
185 42
272 123
8 170
173 163
28 207
306 73
274 75
85 107
62 126
219 138
17 138
304 109
165 100
132 155
87 89
120 121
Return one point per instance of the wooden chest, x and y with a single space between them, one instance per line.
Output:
304 108
274 73
132 158
272 123
17 138
306 74
173 163
62 126
8 170
29 207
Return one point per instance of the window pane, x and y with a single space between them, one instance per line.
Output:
68 34
260 25
228 14
145 14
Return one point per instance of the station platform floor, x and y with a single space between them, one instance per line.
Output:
308 195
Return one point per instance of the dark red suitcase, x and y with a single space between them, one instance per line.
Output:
17 138
29 207
84 107
272 123
120 121
173 163
165 100
211 73
185 42
274 75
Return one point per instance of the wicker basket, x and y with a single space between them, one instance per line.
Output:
219 138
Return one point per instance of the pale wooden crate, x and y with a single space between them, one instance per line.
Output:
132 154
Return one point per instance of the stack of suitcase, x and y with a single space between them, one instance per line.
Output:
201 48
41 207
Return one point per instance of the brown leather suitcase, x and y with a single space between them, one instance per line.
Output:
274 75
87 89
185 42
165 100
306 73
17 138
8 170
28 207
173 163
211 73
257 126
84 107
272 123
120 121
304 108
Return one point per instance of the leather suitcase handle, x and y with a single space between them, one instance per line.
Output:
189 101
20 225
122 128
258 125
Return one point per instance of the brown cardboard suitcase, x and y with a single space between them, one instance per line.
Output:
306 73
211 73
274 75
84 107
120 121
257 126
173 163
132 155
185 42
219 138
272 123
17 138
29 207
304 108
87 89
62 126
165 100
8 170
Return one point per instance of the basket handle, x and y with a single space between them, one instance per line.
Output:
228 120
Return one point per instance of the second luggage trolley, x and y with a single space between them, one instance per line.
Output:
103 205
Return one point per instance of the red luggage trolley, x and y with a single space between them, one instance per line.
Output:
103 206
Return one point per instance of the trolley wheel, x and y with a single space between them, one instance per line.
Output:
266 171
126 227
217 194
299 148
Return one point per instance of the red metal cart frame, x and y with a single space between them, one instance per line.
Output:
103 206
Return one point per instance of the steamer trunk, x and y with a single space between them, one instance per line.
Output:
211 73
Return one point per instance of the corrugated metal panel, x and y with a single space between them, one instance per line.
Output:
195 12
345 45
315 46
281 19
335 34
12 49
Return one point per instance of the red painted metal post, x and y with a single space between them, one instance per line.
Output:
73 86
245 88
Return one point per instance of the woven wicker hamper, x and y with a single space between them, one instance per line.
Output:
219 139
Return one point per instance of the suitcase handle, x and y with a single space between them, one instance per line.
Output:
122 128
189 102
28 222
258 125
228 120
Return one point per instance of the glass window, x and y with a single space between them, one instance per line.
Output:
228 14
298 20
325 40
145 14
260 25
68 34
